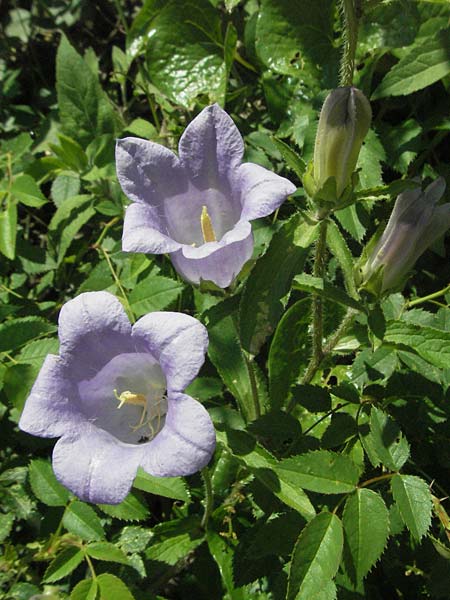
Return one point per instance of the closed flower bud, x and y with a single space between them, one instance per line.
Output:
343 124
415 223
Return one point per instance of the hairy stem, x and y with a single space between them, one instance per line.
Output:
209 499
349 9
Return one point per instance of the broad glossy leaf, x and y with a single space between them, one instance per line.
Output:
413 498
316 559
323 471
85 590
45 485
366 527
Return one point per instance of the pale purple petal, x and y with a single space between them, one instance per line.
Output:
211 147
148 172
93 328
177 341
140 234
95 466
185 444
262 191
53 406
219 262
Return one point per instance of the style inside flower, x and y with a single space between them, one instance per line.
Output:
415 223
114 396
198 206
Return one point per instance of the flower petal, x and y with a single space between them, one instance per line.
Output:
53 406
177 341
141 234
93 328
262 191
148 172
95 466
211 147
186 442
219 262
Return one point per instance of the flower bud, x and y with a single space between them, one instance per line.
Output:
343 124
415 223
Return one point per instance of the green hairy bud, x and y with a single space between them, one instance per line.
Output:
343 125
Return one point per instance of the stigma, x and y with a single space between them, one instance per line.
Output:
131 398
207 226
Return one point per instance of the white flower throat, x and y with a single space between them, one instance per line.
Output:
152 412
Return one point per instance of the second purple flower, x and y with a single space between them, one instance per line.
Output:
197 206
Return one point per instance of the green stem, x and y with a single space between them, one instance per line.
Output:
118 283
91 567
429 297
319 271
209 498
253 386
350 38
376 479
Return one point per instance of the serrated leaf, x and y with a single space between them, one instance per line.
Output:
292 159
66 562
426 62
82 520
17 332
130 509
316 558
413 498
366 527
154 293
351 219
431 344
70 216
36 351
264 297
45 485
113 588
85 590
8 229
222 552
386 440
65 186
27 191
316 285
107 552
84 108
169 487
338 246
323 471
289 351
6 523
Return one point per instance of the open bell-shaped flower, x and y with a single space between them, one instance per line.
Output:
196 206
414 224
114 396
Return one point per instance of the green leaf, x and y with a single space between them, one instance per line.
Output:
66 562
351 219
316 558
8 229
264 466
289 351
84 108
113 588
185 50
366 527
169 487
385 440
131 509
26 191
6 523
82 520
45 485
69 218
70 153
371 155
107 552
291 158
154 293
413 498
431 344
264 298
370 366
289 43
322 471
35 352
17 332
85 590
310 284
222 552
64 186
338 246
427 62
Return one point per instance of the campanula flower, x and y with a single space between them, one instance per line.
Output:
114 396
343 124
196 206
415 223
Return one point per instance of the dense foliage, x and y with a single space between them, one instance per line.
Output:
331 472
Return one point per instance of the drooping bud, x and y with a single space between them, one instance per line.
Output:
343 124
414 224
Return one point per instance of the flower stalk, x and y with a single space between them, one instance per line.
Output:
350 37
209 497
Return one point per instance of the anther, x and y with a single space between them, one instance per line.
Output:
207 227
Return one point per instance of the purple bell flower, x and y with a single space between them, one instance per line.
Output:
197 207
114 396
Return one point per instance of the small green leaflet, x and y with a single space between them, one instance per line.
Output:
323 471
66 561
113 588
82 520
316 559
413 498
385 441
170 487
45 485
133 508
85 590
17 332
366 528
108 552
154 293
431 344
